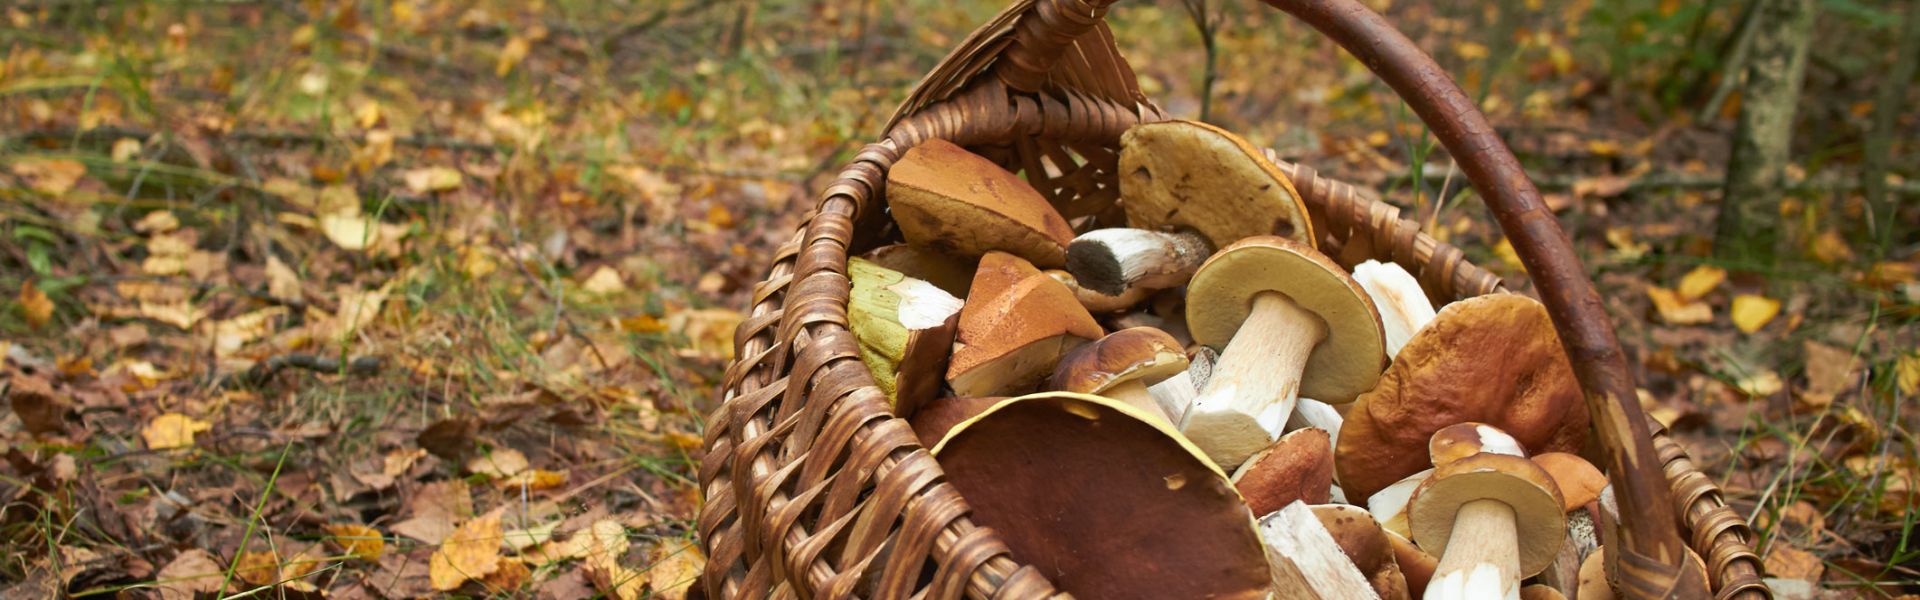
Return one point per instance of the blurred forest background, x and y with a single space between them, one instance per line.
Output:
365 299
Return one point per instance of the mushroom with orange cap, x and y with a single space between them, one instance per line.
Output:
1297 467
1491 359
1015 326
950 200
1065 480
1121 366
1289 322
1580 486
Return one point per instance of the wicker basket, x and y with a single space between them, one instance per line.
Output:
813 489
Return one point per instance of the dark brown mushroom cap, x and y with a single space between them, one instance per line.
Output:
935 418
1367 545
1105 500
1136 353
1299 466
1492 359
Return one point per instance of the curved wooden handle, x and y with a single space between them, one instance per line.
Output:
1651 559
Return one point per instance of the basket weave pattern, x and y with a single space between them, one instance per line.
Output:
813 489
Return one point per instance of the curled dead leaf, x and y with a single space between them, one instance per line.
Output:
1676 310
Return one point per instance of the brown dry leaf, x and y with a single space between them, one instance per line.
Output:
499 464
511 575
603 542
432 179
1831 248
1830 372
172 430
50 176
676 562
1700 281
35 305
258 567
1676 310
232 334
471 552
357 309
1785 560
191 573
282 282
1751 312
40 410
357 541
535 480
436 508
616 581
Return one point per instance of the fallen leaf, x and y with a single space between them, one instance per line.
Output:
616 581
432 179
50 176
511 575
1700 281
191 573
35 305
231 334
1831 248
519 540
1785 560
605 281
172 430
125 149
1830 372
357 541
258 567
535 480
676 562
179 313
1761 384
499 464
282 282
1677 311
436 508
1906 372
605 541
511 54
34 401
1751 312
159 221
1624 246
471 552
349 232
709 331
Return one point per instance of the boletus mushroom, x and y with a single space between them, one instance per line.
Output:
1299 467
1404 307
1105 500
934 419
1367 545
1014 328
948 199
1461 440
1121 366
1289 322
946 271
1580 486
1493 519
1307 561
905 329
1492 359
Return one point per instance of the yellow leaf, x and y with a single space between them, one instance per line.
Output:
709 331
604 281
1624 246
471 552
1470 50
37 306
350 232
1751 312
367 115
1906 372
1700 281
432 179
642 323
159 221
509 577
50 176
511 55
535 480
499 464
675 564
172 430
257 567
178 313
1831 248
282 282
358 541
1677 311
231 334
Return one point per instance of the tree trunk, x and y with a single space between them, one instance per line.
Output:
1749 209
1879 144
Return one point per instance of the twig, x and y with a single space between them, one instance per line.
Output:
1735 64
264 371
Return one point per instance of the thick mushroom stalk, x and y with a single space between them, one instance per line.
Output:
1116 261
1494 519
1481 559
1404 307
1291 322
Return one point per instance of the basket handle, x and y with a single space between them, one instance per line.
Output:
1649 559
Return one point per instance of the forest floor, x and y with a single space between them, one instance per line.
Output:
383 299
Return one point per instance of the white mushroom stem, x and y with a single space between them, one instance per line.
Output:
1113 261
1389 505
1136 394
1244 406
1308 412
1174 396
1096 302
1306 561
1403 306
1482 560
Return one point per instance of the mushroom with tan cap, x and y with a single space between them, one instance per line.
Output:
1016 325
948 199
1404 307
1307 562
1415 564
1580 486
1593 578
1067 481
1540 591
905 330
1289 322
1121 366
1299 467
1367 545
1493 519
1491 359
1461 440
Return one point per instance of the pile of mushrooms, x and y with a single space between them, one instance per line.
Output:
1201 404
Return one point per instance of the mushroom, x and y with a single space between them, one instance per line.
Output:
1121 366
1121 259
1593 577
1389 505
950 273
1306 561
1190 175
1404 307
1493 519
1298 467
1176 394
1016 324
1096 302
1367 545
936 418
1065 480
1461 440
1415 564
1580 486
954 201
1308 412
905 329
1289 322
1491 359
1541 591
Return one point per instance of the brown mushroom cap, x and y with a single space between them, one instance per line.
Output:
1415 564
1541 592
1461 440
1491 359
1141 354
1538 521
1367 545
1016 324
1346 363
1593 577
1188 174
1105 500
1298 466
1579 481
954 201
934 419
